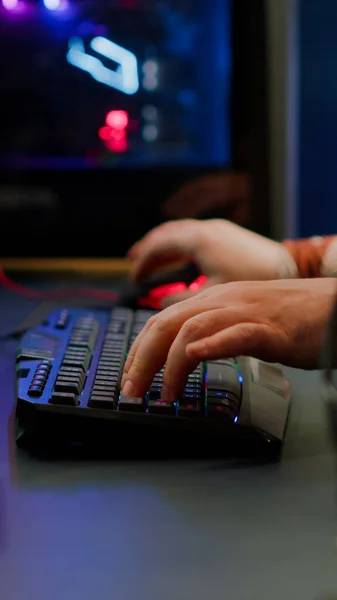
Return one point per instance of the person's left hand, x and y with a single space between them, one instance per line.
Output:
275 321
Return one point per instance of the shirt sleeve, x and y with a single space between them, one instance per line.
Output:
314 257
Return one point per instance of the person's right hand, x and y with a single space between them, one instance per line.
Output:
275 321
222 251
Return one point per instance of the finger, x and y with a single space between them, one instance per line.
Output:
242 339
152 261
151 348
134 250
133 351
179 364
174 316
165 244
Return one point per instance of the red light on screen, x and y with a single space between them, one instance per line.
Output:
107 133
117 119
104 133
117 136
117 146
114 133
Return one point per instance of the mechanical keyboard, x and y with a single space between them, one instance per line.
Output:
68 373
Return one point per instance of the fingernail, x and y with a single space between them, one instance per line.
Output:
124 380
166 395
129 389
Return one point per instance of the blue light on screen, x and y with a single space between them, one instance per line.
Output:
52 4
101 61
123 78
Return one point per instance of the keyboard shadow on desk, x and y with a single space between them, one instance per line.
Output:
35 470
36 467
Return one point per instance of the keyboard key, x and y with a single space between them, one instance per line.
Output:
132 404
192 389
64 384
109 365
226 397
223 377
64 399
219 406
71 375
71 372
62 320
101 402
35 391
74 363
104 389
115 361
107 378
155 392
39 380
190 405
80 344
101 373
42 371
115 337
71 356
162 408
44 363
67 386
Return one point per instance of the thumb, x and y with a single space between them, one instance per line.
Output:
244 339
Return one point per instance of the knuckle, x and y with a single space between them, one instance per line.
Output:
152 321
246 333
129 362
163 228
162 323
208 346
136 370
191 328
154 236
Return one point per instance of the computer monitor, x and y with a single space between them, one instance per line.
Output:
109 106
115 83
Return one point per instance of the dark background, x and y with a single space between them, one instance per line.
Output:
318 118
100 213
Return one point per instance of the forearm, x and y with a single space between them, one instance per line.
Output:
314 257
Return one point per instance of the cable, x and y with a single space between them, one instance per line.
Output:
33 294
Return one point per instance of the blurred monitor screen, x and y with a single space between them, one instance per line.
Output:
114 83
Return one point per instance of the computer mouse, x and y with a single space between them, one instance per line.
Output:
151 293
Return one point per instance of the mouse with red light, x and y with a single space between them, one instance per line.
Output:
156 296
152 293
